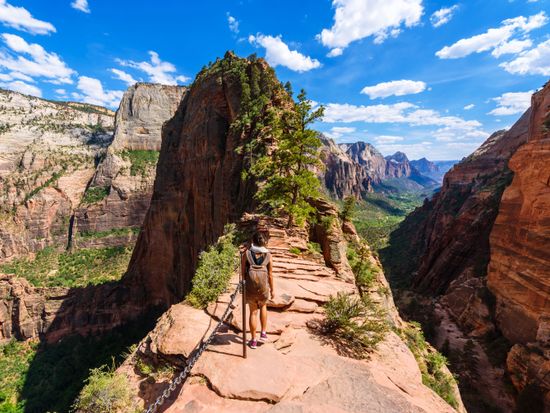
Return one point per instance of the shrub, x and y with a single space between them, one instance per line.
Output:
364 270
141 160
314 247
95 194
354 323
105 392
215 268
15 358
295 250
348 208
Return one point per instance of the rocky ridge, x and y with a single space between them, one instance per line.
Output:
305 374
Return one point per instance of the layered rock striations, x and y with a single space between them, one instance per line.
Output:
519 266
48 152
126 175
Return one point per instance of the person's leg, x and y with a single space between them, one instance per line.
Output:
263 317
252 320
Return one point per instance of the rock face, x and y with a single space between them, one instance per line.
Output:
343 175
127 172
479 246
47 157
358 169
519 267
199 187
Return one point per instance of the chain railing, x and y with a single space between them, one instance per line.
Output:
191 361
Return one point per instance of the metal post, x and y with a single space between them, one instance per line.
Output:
243 294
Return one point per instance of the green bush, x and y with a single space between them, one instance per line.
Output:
110 232
105 392
215 268
314 247
95 194
348 208
142 160
295 250
354 323
364 270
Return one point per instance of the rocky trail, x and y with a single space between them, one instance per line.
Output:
296 370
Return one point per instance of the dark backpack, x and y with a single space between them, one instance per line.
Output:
257 277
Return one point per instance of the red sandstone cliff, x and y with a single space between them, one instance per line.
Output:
519 268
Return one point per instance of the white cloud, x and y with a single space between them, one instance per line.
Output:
157 70
277 53
22 87
19 18
358 19
394 88
81 5
512 47
233 24
402 112
493 38
386 139
469 107
39 62
337 132
531 62
443 16
93 92
125 77
512 103
62 93
337 51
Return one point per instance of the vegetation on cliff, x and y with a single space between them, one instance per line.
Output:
216 266
88 266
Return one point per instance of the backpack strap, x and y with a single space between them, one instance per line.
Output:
251 261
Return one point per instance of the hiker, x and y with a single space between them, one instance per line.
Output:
258 272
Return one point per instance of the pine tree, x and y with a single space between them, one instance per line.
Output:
289 170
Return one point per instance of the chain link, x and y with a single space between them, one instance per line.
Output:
191 362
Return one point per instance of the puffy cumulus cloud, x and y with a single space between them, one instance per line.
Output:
233 24
469 107
387 139
338 132
125 77
531 62
494 37
91 91
21 19
32 60
443 16
157 70
277 53
21 87
394 88
358 19
512 47
402 112
61 93
81 5
458 133
512 103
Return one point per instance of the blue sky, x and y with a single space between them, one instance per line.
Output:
430 78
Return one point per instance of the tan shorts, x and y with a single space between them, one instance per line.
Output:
256 302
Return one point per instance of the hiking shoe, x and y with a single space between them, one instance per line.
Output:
253 344
263 336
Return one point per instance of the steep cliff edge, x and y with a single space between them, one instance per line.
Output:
126 175
519 267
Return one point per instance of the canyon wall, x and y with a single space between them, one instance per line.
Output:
519 267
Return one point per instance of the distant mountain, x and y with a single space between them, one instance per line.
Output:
434 169
359 168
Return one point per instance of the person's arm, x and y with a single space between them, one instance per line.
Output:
270 273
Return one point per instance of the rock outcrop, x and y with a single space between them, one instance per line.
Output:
127 173
47 157
519 266
305 373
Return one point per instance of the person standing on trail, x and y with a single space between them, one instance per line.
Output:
257 268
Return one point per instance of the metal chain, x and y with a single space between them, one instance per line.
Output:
191 362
